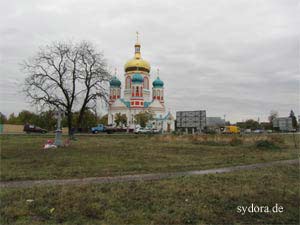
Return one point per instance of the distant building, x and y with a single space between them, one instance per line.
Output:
164 123
283 124
191 121
215 122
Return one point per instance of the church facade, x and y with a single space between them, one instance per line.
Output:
139 95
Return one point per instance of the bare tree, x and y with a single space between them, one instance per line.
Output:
273 115
67 76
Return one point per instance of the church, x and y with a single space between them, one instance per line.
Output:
138 95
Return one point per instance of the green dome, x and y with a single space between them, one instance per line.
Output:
137 78
115 82
158 83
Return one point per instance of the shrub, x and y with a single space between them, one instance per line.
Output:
266 144
235 141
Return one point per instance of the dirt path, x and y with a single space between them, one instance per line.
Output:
140 177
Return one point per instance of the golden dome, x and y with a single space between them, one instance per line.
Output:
137 63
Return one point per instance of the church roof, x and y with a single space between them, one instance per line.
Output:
158 83
127 103
115 82
166 117
137 78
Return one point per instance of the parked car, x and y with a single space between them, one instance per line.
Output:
141 130
112 129
155 131
258 131
98 128
29 128
146 130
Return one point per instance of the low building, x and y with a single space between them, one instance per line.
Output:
164 123
283 124
191 121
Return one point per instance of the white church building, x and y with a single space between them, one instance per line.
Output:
139 95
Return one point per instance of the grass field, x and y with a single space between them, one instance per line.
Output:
208 199
23 158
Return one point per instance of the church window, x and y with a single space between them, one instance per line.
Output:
128 83
146 83
137 91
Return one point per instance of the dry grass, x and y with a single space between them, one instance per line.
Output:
208 199
220 139
23 158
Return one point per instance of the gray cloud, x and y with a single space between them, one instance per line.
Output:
239 57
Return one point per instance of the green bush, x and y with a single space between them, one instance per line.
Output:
266 144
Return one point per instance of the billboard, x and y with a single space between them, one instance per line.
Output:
191 119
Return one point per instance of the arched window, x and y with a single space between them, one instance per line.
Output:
137 91
128 83
132 94
146 82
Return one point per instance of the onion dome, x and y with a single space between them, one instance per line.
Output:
115 82
137 63
137 78
158 83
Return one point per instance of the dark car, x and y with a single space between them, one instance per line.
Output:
28 128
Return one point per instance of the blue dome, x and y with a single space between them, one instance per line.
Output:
137 78
158 83
115 82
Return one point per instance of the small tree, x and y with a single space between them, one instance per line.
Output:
12 119
251 124
3 118
104 120
26 116
143 118
121 119
294 119
273 115
47 120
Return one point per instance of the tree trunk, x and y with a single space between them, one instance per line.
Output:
80 117
70 125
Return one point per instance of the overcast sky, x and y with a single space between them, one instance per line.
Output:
237 57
